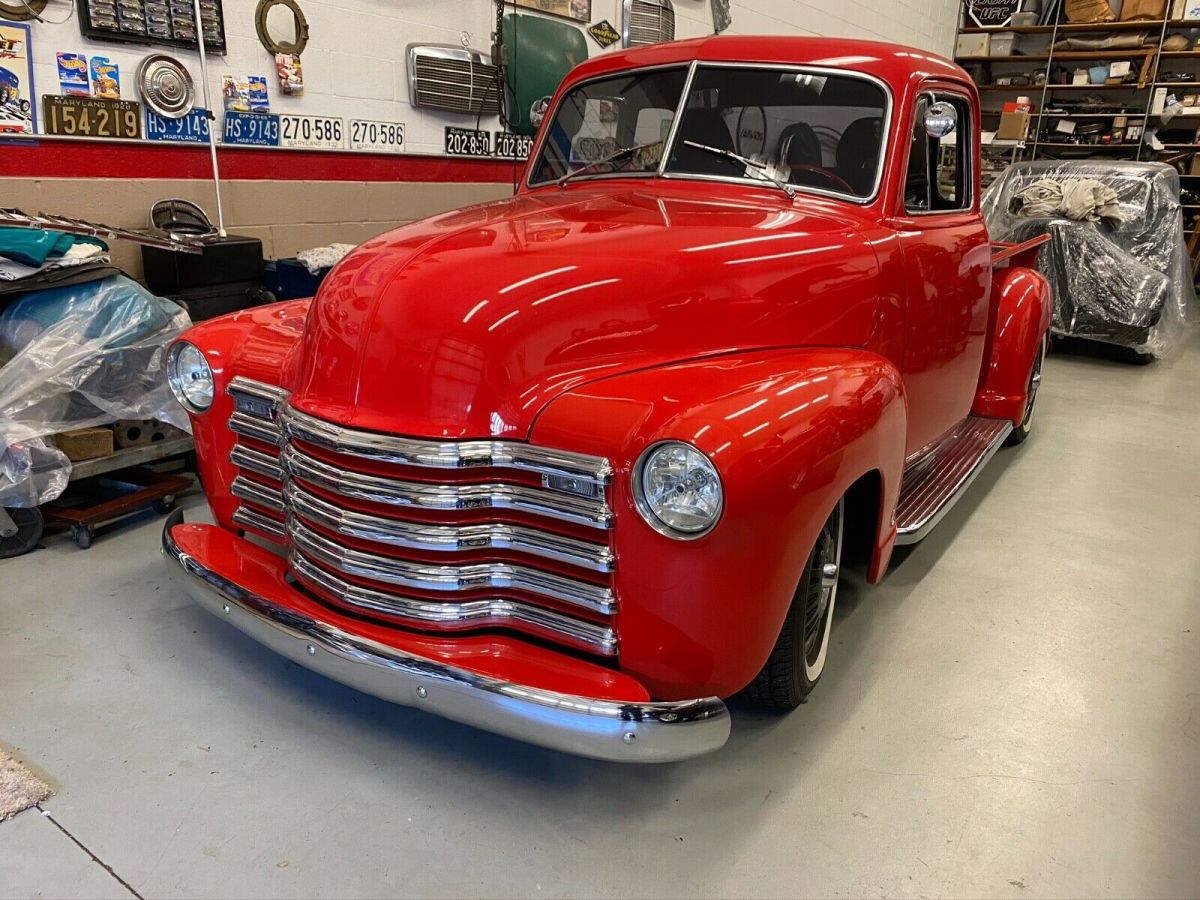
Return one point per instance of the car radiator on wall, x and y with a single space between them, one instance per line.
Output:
648 22
440 537
454 79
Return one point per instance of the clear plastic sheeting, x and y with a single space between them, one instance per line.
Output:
1124 280
76 357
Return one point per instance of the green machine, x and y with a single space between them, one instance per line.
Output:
539 52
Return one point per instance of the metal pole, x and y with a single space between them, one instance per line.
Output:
212 119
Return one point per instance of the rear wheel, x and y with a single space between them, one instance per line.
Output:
29 525
798 659
1022 431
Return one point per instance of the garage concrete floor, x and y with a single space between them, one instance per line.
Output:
1015 712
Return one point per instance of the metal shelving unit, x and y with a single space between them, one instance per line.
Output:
1147 62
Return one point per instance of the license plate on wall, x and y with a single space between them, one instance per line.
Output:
386 137
311 132
91 117
251 129
191 129
467 142
513 146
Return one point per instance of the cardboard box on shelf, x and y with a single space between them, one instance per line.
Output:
1143 9
85 443
1088 11
1194 167
1014 126
972 45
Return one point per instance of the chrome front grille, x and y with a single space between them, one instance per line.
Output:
441 536
648 22
455 79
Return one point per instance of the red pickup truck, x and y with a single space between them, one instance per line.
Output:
575 466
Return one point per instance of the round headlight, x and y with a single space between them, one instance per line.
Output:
677 489
190 377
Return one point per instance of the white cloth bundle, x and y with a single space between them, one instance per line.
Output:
1082 199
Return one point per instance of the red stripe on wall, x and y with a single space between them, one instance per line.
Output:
86 159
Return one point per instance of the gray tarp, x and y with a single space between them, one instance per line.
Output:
1128 284
75 357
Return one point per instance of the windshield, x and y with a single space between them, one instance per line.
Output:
816 131
599 119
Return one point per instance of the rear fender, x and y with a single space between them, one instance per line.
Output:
1021 307
789 433
260 343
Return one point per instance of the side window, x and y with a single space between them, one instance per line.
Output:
938 178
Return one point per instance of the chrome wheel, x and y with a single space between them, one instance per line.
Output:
820 594
1035 381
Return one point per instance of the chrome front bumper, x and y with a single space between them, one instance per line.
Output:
601 729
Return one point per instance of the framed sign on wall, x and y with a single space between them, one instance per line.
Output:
579 10
992 13
18 112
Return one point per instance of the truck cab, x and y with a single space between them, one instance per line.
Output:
579 465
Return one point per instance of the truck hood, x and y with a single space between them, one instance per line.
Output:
467 324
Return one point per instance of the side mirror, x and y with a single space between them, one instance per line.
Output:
941 119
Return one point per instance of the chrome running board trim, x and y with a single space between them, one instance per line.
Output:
938 480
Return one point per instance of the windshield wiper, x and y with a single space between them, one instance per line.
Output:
760 168
612 158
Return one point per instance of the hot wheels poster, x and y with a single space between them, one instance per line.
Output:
18 112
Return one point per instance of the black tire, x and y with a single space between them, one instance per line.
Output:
82 534
1136 357
1022 431
798 658
163 505
30 525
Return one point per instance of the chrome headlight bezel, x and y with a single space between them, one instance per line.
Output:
646 508
183 388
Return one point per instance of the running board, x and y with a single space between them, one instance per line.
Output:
937 481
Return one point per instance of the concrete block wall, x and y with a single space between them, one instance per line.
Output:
355 67
354 64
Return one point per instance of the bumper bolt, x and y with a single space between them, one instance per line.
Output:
422 693
312 651
629 737
226 608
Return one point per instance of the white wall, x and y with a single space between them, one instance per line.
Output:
354 64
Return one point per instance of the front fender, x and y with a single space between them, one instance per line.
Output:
260 343
1021 307
789 431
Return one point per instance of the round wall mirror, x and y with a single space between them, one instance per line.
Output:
281 26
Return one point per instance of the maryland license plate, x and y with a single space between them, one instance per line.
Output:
91 117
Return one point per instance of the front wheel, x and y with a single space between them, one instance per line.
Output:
798 659
1022 431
